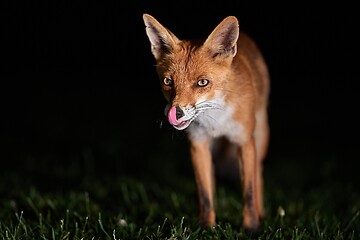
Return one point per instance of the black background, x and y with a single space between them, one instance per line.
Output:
79 88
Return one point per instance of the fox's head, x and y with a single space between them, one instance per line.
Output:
192 74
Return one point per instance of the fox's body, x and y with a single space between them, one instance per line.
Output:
217 92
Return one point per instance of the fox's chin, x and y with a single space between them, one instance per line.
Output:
183 125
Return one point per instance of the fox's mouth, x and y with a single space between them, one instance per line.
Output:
179 123
182 125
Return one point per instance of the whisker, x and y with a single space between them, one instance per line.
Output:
201 107
199 103
208 107
208 104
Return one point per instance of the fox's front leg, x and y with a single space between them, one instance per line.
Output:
203 170
247 156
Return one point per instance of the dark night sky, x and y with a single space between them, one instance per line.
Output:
80 74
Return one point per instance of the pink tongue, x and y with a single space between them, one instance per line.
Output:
172 116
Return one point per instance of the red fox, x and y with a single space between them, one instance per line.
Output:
217 91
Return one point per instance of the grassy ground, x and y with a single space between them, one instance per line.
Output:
92 200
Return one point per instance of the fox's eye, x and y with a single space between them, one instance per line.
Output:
168 82
202 82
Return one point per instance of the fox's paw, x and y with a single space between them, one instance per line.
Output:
208 220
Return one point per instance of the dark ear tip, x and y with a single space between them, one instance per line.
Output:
148 17
232 20
145 17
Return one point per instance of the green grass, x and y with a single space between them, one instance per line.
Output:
303 200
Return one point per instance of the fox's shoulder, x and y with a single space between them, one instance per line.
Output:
247 46
250 57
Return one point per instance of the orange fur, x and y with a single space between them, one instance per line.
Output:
217 89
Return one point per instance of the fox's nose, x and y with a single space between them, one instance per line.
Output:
179 112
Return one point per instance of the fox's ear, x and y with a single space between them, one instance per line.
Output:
162 40
222 40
